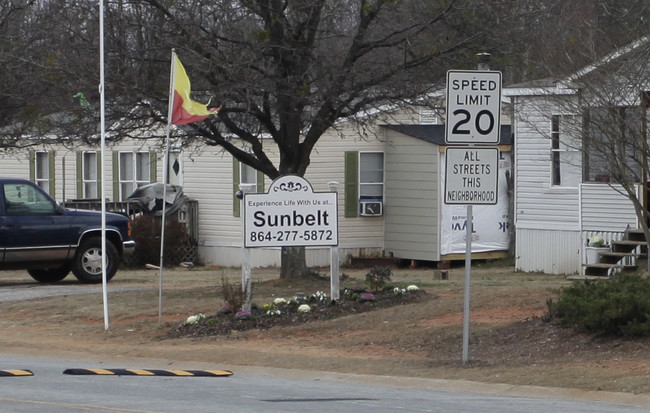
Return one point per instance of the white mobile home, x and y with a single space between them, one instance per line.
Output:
389 190
568 166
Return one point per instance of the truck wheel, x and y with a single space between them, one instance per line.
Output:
49 275
87 262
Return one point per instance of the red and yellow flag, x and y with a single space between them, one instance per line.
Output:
185 110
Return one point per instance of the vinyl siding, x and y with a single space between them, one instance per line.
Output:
208 178
548 251
605 208
539 205
412 219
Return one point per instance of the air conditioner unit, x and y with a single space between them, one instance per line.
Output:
371 208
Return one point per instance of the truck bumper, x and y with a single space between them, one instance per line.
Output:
128 247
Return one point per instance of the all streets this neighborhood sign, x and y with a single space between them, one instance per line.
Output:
290 214
471 176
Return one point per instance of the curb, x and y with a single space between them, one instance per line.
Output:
15 373
141 372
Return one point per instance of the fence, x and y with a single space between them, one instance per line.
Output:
177 248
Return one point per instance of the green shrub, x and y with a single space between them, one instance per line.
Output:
378 276
619 306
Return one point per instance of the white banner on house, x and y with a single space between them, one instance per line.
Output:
490 222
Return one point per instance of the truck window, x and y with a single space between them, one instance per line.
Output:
21 199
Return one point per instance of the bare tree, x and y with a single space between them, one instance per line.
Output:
287 70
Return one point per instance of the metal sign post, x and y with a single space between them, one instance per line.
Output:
473 117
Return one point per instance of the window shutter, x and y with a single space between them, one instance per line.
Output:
153 171
99 174
51 157
235 187
80 181
351 184
116 176
260 182
32 165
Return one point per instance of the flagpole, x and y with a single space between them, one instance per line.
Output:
170 109
103 144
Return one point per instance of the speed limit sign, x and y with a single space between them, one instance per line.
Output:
473 107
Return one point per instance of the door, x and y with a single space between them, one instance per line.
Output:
32 228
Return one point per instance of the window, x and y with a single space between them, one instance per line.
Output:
247 174
371 175
613 144
41 170
244 174
23 199
565 151
134 172
89 175
364 180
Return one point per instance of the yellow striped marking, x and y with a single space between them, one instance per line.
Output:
181 373
18 372
140 372
102 371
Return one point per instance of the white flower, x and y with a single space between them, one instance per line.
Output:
193 319
320 296
398 291
273 312
412 288
304 308
280 300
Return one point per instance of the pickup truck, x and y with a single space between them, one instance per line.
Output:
46 239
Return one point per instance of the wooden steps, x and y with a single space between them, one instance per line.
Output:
633 245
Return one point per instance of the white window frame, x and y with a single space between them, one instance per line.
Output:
565 152
371 183
42 169
90 183
139 175
247 174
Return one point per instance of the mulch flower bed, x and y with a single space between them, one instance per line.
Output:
282 312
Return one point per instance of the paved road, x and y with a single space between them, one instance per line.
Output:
51 391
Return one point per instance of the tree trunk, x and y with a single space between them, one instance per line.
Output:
293 264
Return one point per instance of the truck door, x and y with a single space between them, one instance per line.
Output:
32 229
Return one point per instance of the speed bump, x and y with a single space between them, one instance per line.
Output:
141 372
15 373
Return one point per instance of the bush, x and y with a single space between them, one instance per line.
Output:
619 306
378 276
233 295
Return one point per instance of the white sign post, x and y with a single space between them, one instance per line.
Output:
473 117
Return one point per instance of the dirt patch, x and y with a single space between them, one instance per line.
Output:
509 341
